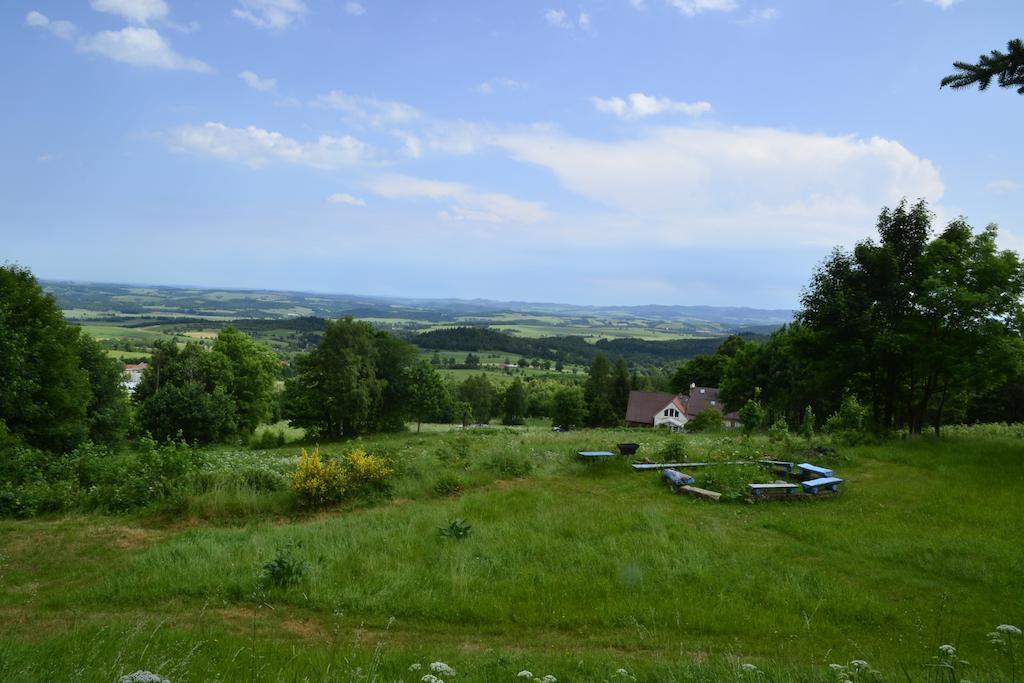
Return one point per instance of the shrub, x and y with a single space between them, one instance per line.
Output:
849 418
448 484
284 570
779 431
511 464
367 472
673 450
752 416
708 420
318 482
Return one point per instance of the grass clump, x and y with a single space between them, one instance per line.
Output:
285 570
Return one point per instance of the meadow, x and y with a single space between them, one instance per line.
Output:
570 569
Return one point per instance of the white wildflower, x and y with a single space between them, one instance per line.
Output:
549 679
837 667
748 667
859 664
431 678
1008 629
442 668
524 674
415 667
947 650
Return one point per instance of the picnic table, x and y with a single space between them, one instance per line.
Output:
595 455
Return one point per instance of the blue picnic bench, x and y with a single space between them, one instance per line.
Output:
814 486
676 478
595 455
765 490
805 468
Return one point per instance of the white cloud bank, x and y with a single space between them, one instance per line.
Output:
356 9
343 198
729 186
464 203
944 4
638 106
369 109
270 14
140 47
694 7
257 147
133 11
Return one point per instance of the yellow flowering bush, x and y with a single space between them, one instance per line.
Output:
367 471
318 482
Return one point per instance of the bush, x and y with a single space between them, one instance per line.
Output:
849 418
673 450
511 464
448 484
367 472
708 420
318 482
779 431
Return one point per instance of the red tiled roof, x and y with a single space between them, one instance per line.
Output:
644 404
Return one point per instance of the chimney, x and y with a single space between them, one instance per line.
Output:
693 385
702 390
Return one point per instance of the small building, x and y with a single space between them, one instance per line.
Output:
133 375
657 409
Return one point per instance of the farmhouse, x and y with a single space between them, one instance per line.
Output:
655 409
133 375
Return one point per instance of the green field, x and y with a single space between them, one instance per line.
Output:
572 570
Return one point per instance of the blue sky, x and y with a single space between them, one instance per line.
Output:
601 151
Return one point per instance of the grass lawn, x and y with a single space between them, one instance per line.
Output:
570 569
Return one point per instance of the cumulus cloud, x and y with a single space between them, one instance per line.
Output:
64 30
257 147
464 203
369 109
638 106
257 83
133 11
693 7
731 186
944 4
343 198
140 47
355 8
270 14
559 18
489 87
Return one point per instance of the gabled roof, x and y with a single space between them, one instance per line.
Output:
644 404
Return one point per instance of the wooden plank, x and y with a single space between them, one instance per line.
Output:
595 454
699 492
647 466
804 468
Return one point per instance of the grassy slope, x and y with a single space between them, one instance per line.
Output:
576 570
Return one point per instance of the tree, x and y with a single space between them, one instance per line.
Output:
598 395
337 390
1007 68
48 370
253 371
427 396
515 403
567 407
107 412
708 420
752 416
478 392
472 361
620 387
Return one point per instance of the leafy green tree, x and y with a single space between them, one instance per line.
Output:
250 383
191 412
708 420
337 390
598 394
1007 68
752 416
44 391
807 424
472 361
107 412
620 387
568 408
427 394
515 403
394 358
479 393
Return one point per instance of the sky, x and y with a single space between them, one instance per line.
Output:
593 152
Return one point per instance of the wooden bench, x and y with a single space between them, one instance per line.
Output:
805 468
699 493
780 466
676 478
595 455
770 490
815 486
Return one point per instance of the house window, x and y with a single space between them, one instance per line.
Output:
666 412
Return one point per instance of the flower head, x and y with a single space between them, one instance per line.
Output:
524 674
415 667
549 679
1008 629
947 650
442 668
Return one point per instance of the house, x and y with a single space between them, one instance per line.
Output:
655 409
133 375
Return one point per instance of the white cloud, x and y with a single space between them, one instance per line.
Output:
257 83
584 21
557 18
133 11
736 187
343 198
355 8
693 7
412 143
944 4
1005 186
639 105
464 203
257 147
139 47
488 87
369 109
64 30
272 14
761 14
639 5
